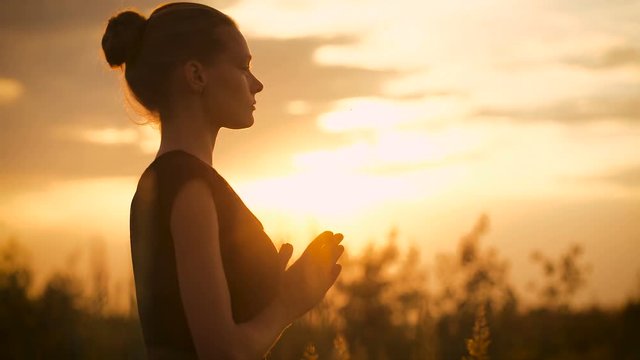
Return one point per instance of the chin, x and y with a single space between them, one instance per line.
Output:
245 123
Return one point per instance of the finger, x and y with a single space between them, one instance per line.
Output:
331 254
335 271
334 240
336 253
331 243
286 250
320 240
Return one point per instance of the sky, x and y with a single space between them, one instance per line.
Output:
415 115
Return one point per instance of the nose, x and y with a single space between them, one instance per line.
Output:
257 85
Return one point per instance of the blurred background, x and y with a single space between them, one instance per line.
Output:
488 150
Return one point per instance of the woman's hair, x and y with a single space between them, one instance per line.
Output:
150 49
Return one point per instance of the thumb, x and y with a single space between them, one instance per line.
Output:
286 250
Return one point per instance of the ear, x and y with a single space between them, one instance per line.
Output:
195 75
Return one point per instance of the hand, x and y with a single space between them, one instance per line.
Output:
306 282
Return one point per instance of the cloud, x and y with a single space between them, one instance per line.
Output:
288 65
622 108
146 137
500 56
628 177
397 151
72 89
68 151
612 58
10 90
61 158
110 136
381 114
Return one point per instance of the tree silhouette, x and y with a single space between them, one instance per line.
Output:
381 308
562 277
18 315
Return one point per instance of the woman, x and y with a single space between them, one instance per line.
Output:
209 282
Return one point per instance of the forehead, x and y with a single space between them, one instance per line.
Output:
235 43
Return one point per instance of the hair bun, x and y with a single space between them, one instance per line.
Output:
121 39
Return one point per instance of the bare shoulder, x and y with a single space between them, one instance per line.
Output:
193 213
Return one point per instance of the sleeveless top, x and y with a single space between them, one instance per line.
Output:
250 260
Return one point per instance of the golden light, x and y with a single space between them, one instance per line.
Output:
10 90
89 206
377 113
147 137
110 136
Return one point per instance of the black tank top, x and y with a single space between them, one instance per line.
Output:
249 258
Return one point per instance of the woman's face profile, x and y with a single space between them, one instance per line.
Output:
230 93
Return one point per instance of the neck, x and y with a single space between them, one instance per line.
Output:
190 133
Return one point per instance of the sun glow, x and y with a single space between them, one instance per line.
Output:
345 187
95 206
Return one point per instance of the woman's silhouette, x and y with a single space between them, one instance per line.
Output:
209 282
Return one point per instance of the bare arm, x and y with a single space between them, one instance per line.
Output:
204 290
